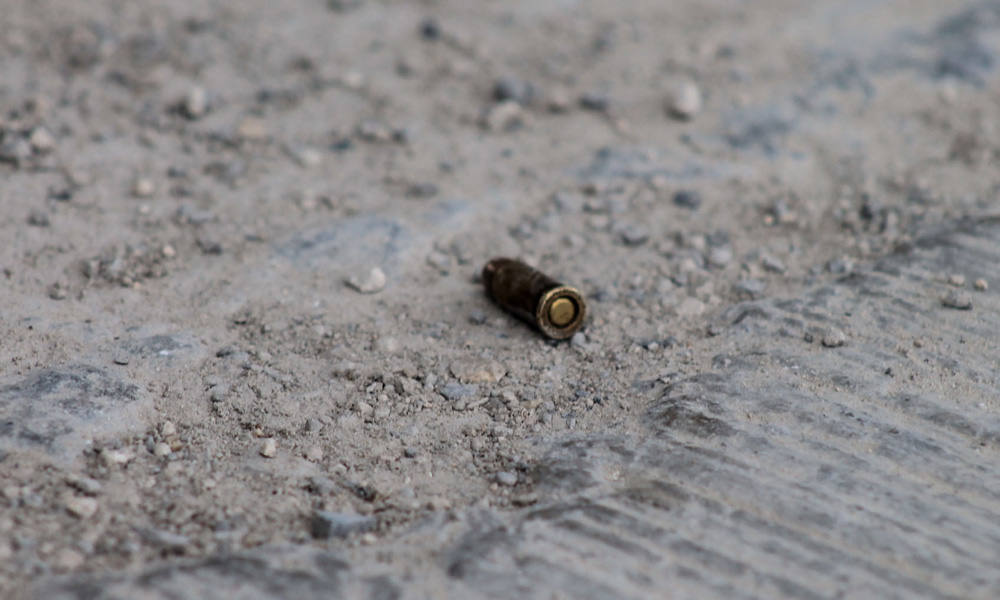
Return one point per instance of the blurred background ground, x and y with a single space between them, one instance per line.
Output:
187 376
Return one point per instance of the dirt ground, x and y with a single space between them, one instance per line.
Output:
189 187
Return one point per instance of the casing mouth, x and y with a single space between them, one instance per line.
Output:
560 312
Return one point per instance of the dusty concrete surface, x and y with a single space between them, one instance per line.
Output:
784 216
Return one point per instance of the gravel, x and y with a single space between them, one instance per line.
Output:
328 525
371 281
958 299
506 478
195 103
689 199
684 100
269 448
454 390
834 337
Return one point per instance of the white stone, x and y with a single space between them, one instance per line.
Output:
471 370
684 100
269 448
81 507
372 282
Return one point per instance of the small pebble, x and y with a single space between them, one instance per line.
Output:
195 104
168 429
834 337
115 457
364 409
41 140
314 425
81 507
217 393
430 29
87 485
840 266
595 101
454 390
143 187
252 129
512 88
684 100
504 116
477 317
772 264
307 157
720 257
161 450
374 131
752 288
633 235
328 525
372 282
558 100
506 478
956 280
164 540
958 299
689 199
38 218
472 370
982 285
269 448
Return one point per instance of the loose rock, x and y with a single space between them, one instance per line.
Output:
161 450
455 391
195 104
41 140
82 508
834 337
512 88
982 285
430 30
372 282
689 199
328 525
143 187
506 478
684 100
504 116
958 299
164 540
269 448
595 101
471 370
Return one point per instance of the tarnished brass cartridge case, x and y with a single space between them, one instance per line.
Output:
555 309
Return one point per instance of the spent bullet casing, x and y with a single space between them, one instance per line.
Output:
557 310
